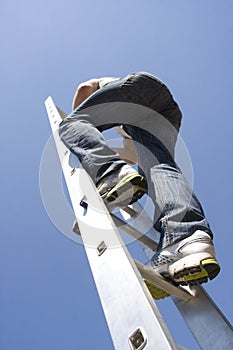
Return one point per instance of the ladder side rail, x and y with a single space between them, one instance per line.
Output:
207 323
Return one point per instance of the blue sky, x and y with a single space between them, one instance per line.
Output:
48 299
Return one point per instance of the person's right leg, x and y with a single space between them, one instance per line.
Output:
118 183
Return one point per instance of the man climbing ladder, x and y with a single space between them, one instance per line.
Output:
150 116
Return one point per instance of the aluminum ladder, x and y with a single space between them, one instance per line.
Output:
142 327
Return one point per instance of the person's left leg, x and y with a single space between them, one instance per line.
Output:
186 253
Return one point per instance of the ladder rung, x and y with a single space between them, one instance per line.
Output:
134 233
149 275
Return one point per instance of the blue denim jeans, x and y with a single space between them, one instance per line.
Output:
145 107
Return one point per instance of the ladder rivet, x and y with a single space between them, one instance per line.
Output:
137 340
101 248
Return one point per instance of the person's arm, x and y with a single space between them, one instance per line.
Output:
84 90
129 151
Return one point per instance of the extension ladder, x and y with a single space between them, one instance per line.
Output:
142 326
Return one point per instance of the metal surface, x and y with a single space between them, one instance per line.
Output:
118 280
148 274
206 322
134 233
127 303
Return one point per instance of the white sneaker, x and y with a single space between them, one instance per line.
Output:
189 262
122 188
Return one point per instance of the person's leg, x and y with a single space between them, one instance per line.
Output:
186 252
118 183
81 133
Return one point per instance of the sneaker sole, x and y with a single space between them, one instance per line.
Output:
128 190
192 270
208 269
